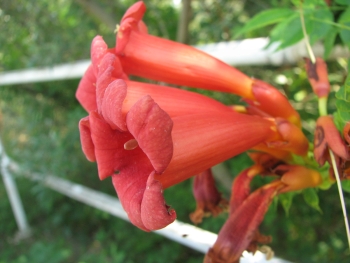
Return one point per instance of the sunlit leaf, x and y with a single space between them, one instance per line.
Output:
266 18
344 33
319 24
329 42
343 104
288 32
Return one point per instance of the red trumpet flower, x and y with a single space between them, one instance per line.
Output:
328 137
209 200
240 232
164 156
147 146
160 59
318 76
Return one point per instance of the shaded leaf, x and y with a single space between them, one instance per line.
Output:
311 198
346 185
343 2
286 201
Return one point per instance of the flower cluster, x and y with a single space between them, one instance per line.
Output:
148 137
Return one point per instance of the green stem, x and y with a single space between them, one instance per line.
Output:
330 23
341 196
306 37
322 106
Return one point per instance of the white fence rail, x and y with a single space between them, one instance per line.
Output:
235 53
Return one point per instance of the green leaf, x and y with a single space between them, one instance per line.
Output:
329 41
343 104
265 18
311 198
286 200
288 32
344 92
319 24
343 2
346 185
344 33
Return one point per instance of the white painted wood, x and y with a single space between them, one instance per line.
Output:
236 53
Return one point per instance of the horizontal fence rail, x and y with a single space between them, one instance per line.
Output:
247 52
185 234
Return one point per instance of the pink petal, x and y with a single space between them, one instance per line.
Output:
98 49
109 146
86 92
86 140
155 213
151 127
239 230
112 104
208 199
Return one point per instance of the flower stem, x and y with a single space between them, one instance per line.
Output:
341 196
322 106
306 37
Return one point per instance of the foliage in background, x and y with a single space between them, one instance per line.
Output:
39 129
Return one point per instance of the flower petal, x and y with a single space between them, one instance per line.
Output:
297 177
86 92
151 127
109 146
327 135
239 230
273 102
208 199
112 105
318 76
155 213
98 50
292 140
86 140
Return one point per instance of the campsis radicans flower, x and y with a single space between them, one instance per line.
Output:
327 138
209 200
149 137
158 151
247 210
160 59
318 76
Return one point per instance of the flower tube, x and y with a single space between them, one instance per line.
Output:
160 59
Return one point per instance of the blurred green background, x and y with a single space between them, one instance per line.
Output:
38 126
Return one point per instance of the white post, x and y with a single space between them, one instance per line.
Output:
13 195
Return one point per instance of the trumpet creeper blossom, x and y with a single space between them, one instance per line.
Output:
318 76
209 200
247 210
156 151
